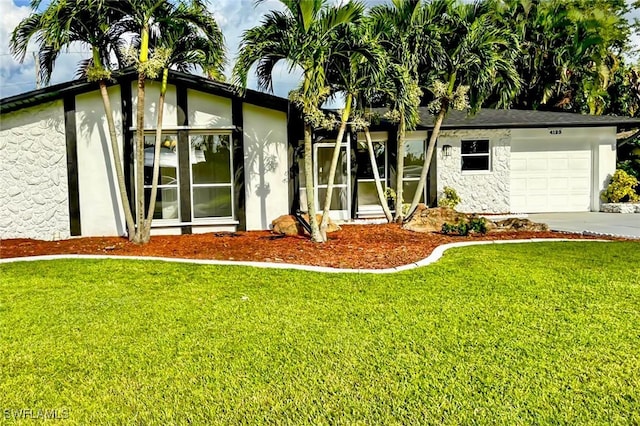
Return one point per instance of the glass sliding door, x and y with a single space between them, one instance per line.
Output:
414 156
368 200
340 208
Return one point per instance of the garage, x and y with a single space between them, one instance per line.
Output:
552 175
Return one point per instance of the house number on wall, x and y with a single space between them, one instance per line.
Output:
555 132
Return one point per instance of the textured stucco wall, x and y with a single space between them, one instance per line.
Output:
101 210
265 166
484 191
33 172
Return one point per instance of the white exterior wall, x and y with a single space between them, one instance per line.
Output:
100 207
479 191
265 166
208 111
151 97
33 171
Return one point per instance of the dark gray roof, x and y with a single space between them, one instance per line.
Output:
195 82
514 118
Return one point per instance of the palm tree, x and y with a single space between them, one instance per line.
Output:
301 35
188 38
357 64
95 23
402 26
477 58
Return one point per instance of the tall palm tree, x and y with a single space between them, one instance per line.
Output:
301 35
188 38
98 24
476 58
403 27
357 63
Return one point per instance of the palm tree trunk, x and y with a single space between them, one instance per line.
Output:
308 172
427 159
144 57
432 142
334 165
140 160
115 152
146 234
400 168
376 177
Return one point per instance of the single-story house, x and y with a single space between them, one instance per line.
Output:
231 162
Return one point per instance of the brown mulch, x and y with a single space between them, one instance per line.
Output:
355 246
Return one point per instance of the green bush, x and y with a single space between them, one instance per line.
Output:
476 225
621 188
450 198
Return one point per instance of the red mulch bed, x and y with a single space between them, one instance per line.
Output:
355 246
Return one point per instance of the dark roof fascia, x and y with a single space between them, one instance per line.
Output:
75 87
47 94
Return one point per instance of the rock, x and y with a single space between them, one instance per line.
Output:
515 224
288 225
431 220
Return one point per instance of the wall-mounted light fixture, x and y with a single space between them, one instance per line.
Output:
446 150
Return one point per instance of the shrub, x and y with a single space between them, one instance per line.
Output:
478 225
475 224
621 188
450 198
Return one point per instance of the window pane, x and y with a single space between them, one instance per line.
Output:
325 155
365 171
168 160
413 158
210 158
212 202
409 190
475 147
367 194
338 198
475 163
166 203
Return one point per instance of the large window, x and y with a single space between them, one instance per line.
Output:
211 177
209 181
475 155
167 205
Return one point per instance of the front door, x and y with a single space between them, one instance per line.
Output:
340 199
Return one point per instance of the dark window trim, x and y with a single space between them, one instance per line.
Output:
73 189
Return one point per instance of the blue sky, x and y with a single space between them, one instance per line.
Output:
233 16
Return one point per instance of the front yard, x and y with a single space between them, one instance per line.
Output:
508 334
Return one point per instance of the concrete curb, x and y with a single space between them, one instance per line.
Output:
437 253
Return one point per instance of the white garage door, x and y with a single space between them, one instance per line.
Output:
550 176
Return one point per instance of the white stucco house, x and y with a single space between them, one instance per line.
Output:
230 162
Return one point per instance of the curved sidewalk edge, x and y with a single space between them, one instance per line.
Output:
433 257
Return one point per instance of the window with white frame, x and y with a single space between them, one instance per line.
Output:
167 204
211 175
475 155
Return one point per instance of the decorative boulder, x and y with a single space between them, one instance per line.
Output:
516 224
288 225
431 220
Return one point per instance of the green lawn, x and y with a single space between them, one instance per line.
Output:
509 334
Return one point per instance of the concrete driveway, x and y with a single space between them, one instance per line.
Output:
626 225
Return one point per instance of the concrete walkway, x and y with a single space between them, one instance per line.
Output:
592 223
